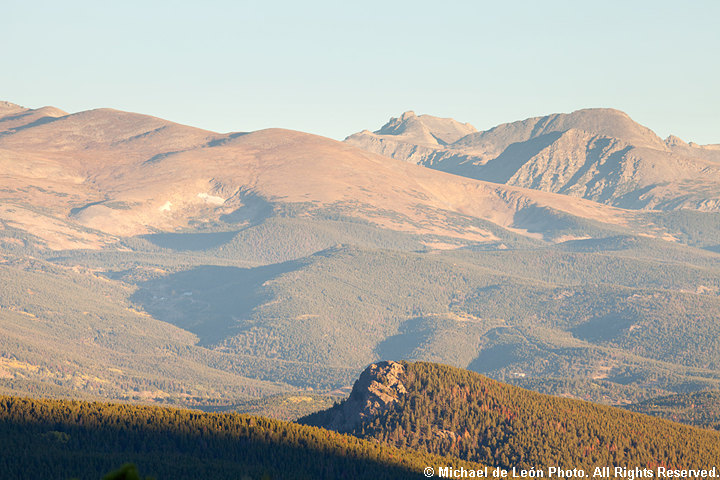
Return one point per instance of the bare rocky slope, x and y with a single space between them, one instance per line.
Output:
596 154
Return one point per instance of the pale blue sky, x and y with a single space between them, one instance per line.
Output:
334 68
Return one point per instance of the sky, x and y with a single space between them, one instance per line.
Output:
334 68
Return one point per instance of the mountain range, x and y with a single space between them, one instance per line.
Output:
596 154
144 260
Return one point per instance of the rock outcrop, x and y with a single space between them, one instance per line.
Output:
377 388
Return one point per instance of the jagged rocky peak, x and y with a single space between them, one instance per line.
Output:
408 115
379 385
673 141
425 129
398 126
377 388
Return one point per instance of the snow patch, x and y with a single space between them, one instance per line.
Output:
211 199
166 207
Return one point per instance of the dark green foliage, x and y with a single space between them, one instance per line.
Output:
126 472
62 439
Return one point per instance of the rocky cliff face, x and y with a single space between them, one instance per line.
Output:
378 387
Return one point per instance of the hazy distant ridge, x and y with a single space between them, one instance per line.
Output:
597 154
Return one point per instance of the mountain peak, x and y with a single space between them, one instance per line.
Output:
425 129
7 108
608 122
9 105
673 141
14 117
603 122
52 128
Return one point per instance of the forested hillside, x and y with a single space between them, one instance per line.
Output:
446 410
74 439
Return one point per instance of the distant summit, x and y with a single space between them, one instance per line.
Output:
599 154
673 141
14 117
425 129
606 122
7 108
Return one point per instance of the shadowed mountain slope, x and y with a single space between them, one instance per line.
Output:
64 439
